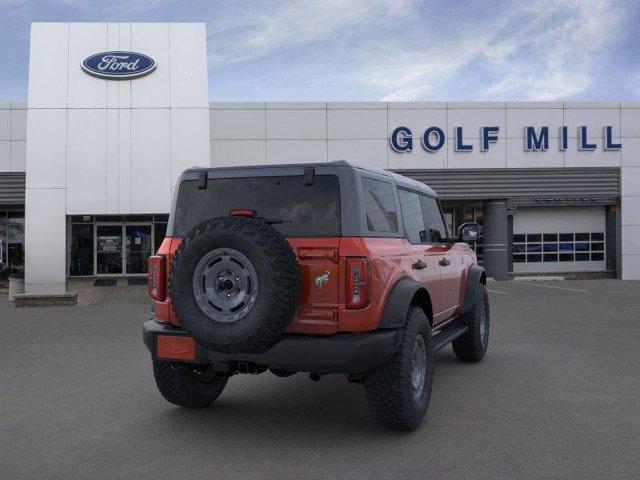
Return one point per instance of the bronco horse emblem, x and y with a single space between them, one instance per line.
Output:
321 280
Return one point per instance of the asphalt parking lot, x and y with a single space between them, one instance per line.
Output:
557 396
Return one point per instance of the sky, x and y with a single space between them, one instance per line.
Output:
377 50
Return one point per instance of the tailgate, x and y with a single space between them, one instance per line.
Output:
320 285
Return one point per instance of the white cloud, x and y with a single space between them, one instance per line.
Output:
546 51
405 50
248 33
562 57
400 49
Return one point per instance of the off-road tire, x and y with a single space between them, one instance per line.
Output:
389 389
472 345
180 385
278 276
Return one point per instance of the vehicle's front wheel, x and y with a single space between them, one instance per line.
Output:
398 392
184 385
472 345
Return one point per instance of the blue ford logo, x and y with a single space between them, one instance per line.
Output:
118 65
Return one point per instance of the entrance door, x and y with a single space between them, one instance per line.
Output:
109 250
138 248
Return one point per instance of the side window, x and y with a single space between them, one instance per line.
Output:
379 206
412 216
433 219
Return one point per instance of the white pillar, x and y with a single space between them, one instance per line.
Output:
630 191
96 146
630 222
45 241
46 162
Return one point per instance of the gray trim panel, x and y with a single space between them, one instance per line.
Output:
534 186
12 189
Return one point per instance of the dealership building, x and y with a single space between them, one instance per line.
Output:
116 111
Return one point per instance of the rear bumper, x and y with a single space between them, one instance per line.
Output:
339 353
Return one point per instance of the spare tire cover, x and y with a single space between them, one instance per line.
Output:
235 284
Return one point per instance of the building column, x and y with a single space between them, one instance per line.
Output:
45 241
611 235
630 223
496 239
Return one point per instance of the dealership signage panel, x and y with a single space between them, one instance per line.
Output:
535 139
118 65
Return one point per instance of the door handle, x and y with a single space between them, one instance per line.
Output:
419 265
445 262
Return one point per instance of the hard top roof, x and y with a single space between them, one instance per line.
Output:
400 180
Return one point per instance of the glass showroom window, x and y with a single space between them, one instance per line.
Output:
456 216
4 265
15 241
475 215
558 247
114 244
81 251
159 230
11 243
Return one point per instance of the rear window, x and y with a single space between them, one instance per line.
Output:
306 210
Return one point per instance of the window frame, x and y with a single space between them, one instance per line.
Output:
394 189
444 223
565 251
448 237
404 227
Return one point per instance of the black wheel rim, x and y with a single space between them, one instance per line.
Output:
419 367
225 285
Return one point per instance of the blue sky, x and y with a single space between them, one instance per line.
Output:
363 50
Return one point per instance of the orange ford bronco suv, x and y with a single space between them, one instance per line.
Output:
318 268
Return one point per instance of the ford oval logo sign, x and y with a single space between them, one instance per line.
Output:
118 65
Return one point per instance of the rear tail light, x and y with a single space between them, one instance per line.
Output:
156 286
357 279
242 212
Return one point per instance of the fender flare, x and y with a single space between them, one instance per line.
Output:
476 276
399 301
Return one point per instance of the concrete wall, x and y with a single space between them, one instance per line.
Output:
13 136
98 146
258 132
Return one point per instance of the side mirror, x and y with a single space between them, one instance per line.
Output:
469 232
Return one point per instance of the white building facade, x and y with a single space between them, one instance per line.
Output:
556 185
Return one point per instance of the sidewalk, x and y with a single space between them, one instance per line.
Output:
121 294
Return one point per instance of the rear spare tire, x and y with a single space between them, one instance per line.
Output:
235 284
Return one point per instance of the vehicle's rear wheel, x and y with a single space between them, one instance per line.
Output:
235 284
398 392
185 385
472 345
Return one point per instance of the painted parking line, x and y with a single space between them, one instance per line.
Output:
496 291
552 286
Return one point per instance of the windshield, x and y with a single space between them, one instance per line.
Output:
305 210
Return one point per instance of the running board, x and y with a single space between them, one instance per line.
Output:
447 335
